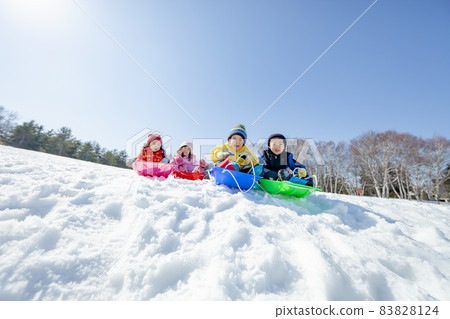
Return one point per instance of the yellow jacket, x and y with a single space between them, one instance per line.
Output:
234 157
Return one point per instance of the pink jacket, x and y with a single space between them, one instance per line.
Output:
189 165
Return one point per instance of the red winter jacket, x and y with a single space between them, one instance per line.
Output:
147 155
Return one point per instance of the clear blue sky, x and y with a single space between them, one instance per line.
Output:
226 62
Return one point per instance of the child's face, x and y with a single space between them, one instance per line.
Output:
236 142
276 145
155 146
185 150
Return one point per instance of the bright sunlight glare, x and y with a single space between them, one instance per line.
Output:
37 13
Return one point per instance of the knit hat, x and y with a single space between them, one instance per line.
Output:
186 143
277 135
152 137
240 130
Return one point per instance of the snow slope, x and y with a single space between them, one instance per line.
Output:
73 230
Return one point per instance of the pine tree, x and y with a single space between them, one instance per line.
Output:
62 143
88 151
29 135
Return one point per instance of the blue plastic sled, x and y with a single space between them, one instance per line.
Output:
233 179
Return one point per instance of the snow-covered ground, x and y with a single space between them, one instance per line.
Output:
73 230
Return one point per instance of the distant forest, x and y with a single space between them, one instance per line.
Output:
32 136
382 164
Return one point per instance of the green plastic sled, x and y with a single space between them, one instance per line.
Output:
286 188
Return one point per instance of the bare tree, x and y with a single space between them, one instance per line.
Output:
438 149
364 149
381 164
7 122
334 173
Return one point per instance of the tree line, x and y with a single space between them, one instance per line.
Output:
386 165
382 164
32 136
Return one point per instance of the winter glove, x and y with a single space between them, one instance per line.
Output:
284 174
179 161
202 167
179 164
243 160
299 172
223 155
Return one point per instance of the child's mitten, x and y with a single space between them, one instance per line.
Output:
223 155
179 161
299 172
243 160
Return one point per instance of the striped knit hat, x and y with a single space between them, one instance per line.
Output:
240 130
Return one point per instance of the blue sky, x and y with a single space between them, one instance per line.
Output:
226 62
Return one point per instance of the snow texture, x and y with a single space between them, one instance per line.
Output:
74 230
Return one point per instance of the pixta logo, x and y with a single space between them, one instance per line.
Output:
304 150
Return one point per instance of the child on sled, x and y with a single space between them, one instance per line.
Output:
235 155
149 162
184 160
279 164
153 150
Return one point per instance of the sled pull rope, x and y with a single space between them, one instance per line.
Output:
314 177
254 179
